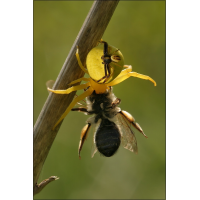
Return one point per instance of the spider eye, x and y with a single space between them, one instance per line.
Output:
115 58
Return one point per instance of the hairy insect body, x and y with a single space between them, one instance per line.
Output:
102 105
107 137
112 125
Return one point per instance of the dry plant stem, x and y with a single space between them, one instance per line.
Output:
55 105
40 186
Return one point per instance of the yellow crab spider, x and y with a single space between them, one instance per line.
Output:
104 66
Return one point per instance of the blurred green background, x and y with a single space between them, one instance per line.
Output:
138 30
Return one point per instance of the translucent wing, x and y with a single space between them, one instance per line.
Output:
127 135
94 147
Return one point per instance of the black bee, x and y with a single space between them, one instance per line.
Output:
111 124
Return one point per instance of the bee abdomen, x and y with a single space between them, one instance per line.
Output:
107 138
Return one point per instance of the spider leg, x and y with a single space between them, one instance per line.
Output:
101 41
69 90
79 98
107 68
84 134
104 77
121 78
83 101
101 79
79 61
79 80
127 70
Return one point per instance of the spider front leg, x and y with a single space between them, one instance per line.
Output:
127 70
106 60
124 76
107 70
71 89
79 61
79 80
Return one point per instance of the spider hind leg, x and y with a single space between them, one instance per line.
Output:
73 103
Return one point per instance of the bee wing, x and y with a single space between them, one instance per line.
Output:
94 147
127 135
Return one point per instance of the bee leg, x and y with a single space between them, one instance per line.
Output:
116 102
79 98
84 134
81 109
79 61
123 77
130 118
69 90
